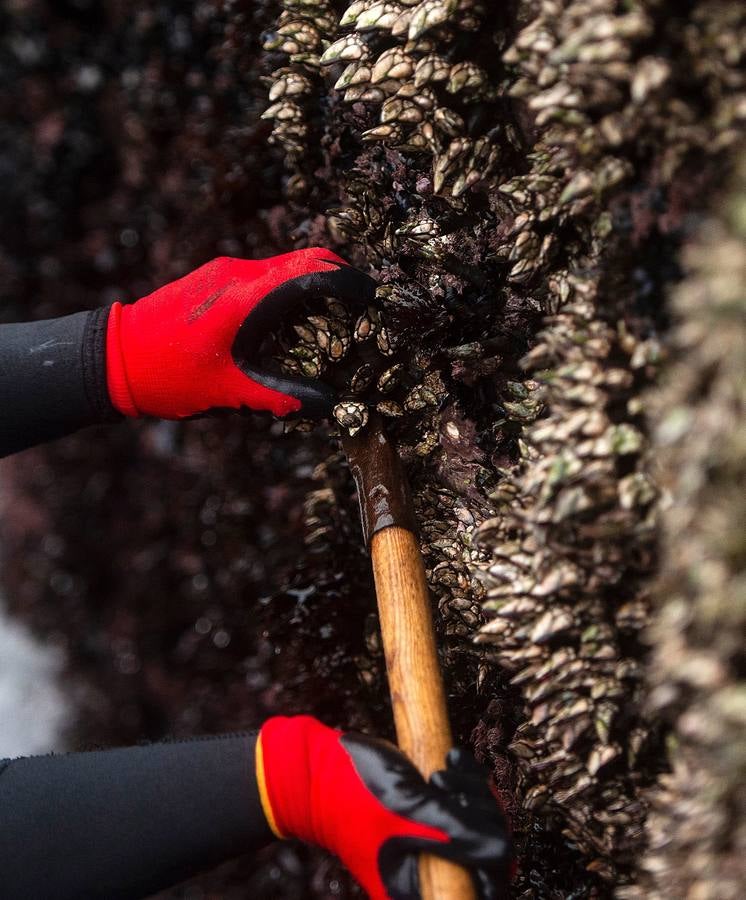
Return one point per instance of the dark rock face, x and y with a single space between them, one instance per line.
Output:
131 151
519 181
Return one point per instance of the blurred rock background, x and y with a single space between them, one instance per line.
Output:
131 151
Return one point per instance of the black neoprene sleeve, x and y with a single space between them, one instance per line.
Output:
128 822
52 378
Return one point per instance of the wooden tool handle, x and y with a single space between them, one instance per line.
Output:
415 682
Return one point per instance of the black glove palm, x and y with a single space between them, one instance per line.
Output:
456 800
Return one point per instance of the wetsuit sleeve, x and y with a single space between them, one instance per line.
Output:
128 822
52 379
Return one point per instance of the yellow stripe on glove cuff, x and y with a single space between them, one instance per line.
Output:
261 781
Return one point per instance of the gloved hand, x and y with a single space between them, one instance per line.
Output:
363 800
187 348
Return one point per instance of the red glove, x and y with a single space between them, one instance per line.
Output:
186 349
363 800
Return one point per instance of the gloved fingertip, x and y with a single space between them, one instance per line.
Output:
287 405
326 254
453 757
291 396
317 399
440 781
345 280
407 879
487 886
461 760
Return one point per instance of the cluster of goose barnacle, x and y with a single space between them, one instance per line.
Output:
552 191
372 377
577 64
415 83
573 515
570 542
697 826
576 61
301 33
593 91
447 526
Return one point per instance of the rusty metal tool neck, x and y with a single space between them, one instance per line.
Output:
381 485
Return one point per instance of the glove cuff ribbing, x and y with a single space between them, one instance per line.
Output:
118 386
